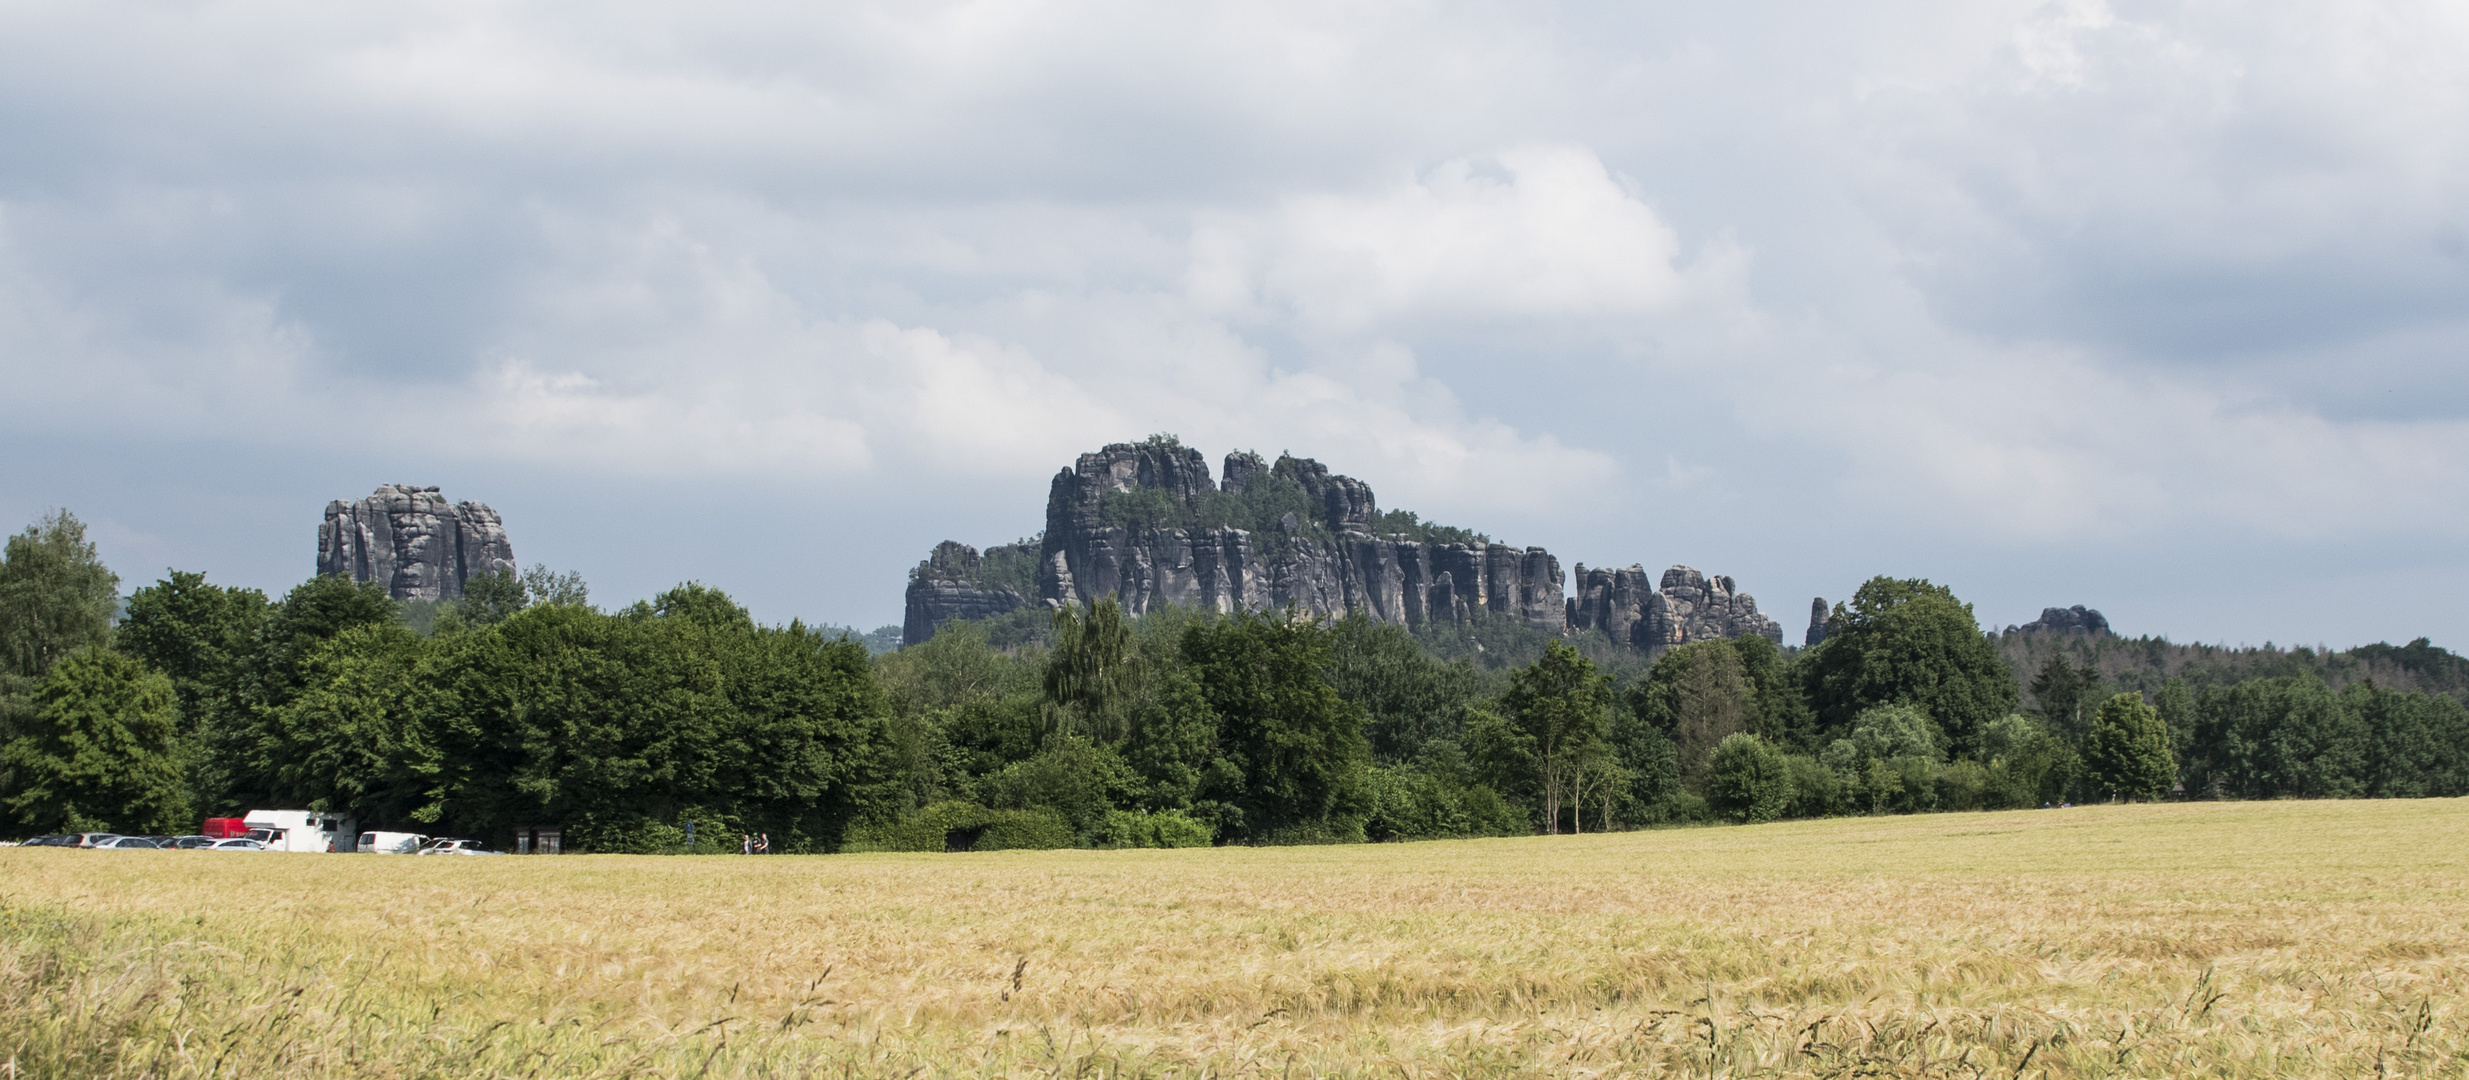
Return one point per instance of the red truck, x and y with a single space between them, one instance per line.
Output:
224 828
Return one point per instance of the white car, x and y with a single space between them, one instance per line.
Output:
454 847
237 843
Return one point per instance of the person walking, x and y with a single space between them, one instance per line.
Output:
745 843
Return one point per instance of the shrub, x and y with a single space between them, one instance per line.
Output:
1142 829
1816 790
1746 780
1418 804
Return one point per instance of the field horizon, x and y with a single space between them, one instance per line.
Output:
2188 939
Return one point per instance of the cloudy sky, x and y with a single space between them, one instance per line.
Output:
2157 307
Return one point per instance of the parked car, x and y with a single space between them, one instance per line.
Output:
53 840
391 843
91 839
452 846
237 843
190 842
129 843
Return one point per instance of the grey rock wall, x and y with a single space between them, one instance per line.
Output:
2074 620
1683 606
1325 564
1326 558
1817 622
413 541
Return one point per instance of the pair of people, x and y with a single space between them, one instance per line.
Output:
755 844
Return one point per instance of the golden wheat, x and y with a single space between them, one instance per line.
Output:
2268 939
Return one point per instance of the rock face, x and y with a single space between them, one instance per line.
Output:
2074 620
413 541
947 586
1685 606
1817 623
1145 524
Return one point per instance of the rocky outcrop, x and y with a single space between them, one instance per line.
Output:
949 585
412 541
1684 606
1817 623
1143 523
2074 620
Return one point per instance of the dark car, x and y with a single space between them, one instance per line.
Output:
54 840
190 842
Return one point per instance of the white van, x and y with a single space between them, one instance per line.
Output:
300 830
390 843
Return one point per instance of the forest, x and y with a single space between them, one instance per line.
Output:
521 703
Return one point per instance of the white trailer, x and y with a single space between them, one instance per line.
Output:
301 830
391 843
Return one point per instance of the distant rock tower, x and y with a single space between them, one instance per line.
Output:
1817 623
413 542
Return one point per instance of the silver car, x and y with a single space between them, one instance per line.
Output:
237 843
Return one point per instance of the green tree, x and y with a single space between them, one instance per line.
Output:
489 598
1698 695
1297 746
2127 752
1408 696
244 753
1092 675
542 585
2280 737
2063 692
2177 713
100 751
56 596
1748 781
1779 713
2417 744
198 633
1909 642
1564 706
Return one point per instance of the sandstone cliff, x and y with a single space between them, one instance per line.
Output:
1684 606
1146 524
412 541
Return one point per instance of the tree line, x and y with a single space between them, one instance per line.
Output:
523 704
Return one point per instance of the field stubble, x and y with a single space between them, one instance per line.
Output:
2260 939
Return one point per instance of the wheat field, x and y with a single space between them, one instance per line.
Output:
2258 939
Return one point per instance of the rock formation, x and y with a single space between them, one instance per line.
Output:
1685 606
1145 524
413 541
949 585
1817 623
2074 620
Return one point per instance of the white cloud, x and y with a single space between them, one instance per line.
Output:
1553 234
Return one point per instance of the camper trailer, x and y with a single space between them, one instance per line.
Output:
302 830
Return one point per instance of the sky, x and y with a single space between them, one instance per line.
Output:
2155 307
